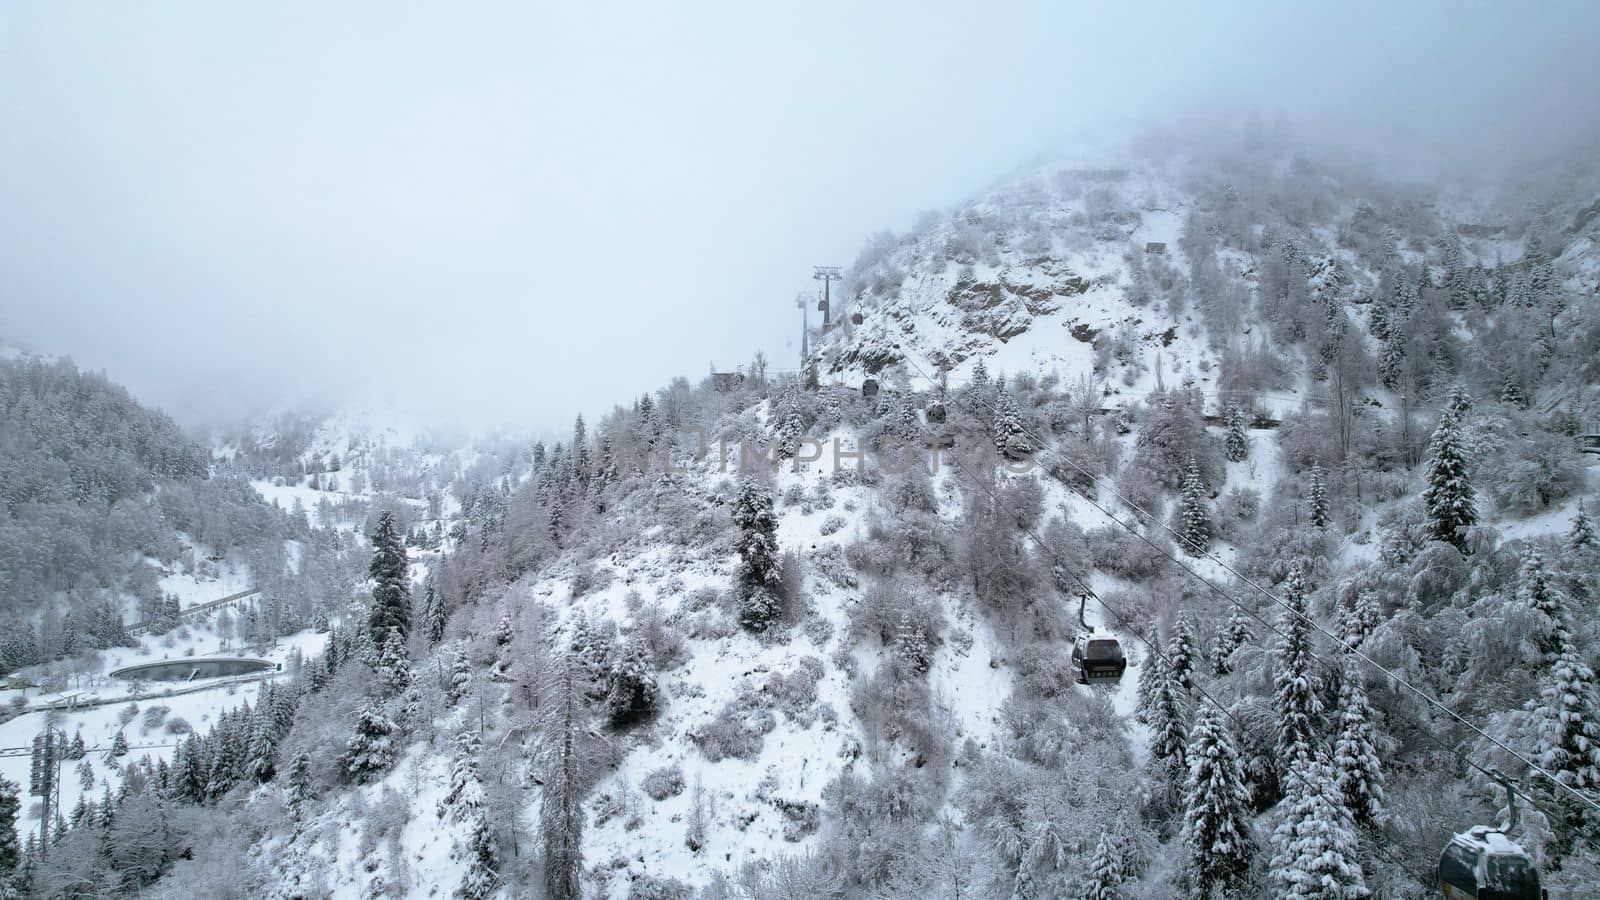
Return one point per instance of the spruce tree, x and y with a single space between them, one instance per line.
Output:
119 744
1155 675
1536 592
1168 732
1449 497
911 645
391 600
789 431
1216 839
371 750
1361 619
1358 774
1234 635
299 787
481 878
564 769
465 796
1569 715
1296 699
760 580
259 756
460 677
1194 519
394 664
10 849
1392 360
580 452
1314 844
1582 537
1106 873
632 693
1317 499
1010 438
1182 654
1511 391
1237 444
433 614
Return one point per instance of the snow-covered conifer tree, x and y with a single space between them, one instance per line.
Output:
1317 499
460 677
1168 731
371 750
10 848
1536 591
1216 838
299 786
911 645
1569 715
261 753
433 614
465 795
1358 774
760 579
789 430
1234 635
1194 518
1237 443
1010 438
1314 844
581 465
1294 686
1182 654
391 600
394 664
631 695
1106 872
1361 619
481 878
1449 498
1582 537
563 765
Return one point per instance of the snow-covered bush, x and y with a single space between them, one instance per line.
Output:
800 818
1123 555
153 717
831 525
664 782
795 694
737 731
658 887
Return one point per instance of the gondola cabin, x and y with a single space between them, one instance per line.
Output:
1484 863
1098 658
869 388
936 413
856 319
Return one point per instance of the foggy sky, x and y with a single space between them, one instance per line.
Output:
513 212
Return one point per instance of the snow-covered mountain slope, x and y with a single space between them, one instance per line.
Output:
598 696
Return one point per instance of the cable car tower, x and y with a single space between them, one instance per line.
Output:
827 275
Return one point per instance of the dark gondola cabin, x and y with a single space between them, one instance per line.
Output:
1484 863
855 319
1097 657
869 388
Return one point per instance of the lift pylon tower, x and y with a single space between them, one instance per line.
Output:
827 275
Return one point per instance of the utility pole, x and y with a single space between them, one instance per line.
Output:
827 275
